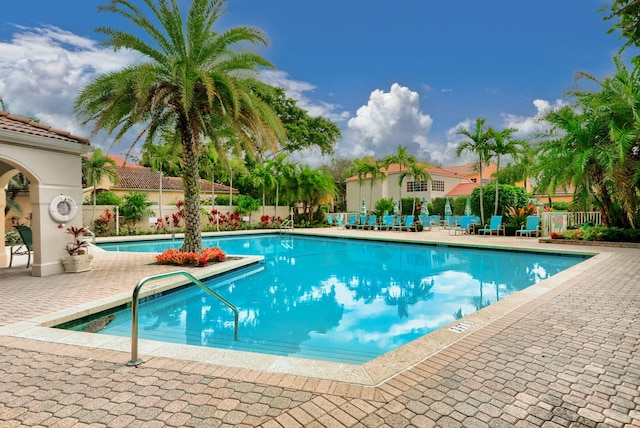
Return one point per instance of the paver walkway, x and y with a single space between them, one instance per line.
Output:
568 358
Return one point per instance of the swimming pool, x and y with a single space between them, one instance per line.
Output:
341 300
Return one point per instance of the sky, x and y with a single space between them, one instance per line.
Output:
408 72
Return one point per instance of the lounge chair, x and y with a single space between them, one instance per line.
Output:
407 225
494 226
464 227
371 223
362 222
351 223
26 248
330 220
425 220
339 222
531 228
387 222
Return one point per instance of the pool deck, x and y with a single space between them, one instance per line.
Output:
564 354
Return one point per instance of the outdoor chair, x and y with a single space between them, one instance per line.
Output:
351 223
387 222
330 220
464 227
531 228
494 226
26 248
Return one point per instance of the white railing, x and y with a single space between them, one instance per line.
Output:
560 221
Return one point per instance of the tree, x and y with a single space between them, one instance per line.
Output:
314 185
94 169
189 81
340 169
260 176
501 144
281 172
625 14
404 160
478 144
303 131
418 172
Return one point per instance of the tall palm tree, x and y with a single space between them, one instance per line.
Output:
478 144
260 176
404 160
281 172
501 144
94 169
418 172
189 81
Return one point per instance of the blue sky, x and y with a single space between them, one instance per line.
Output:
407 72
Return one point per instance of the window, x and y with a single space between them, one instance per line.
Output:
437 185
417 186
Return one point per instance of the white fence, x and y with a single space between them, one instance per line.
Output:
560 221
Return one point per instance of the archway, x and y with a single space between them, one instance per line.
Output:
51 160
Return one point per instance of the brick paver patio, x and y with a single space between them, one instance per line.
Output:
566 358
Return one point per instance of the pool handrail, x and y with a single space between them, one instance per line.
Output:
135 361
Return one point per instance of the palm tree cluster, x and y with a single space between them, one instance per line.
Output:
594 146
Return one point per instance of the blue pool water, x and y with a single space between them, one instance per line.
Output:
334 299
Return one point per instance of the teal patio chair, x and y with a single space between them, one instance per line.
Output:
425 220
330 220
371 223
351 223
26 248
463 227
387 222
339 222
495 226
531 228
407 225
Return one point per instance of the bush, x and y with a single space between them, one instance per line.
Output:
383 205
508 196
173 256
106 198
560 206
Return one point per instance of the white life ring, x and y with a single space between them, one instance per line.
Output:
63 208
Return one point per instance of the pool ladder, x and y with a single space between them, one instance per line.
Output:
135 361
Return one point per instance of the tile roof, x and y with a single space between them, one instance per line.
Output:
142 178
394 168
25 125
462 189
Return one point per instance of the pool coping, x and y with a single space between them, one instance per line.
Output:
372 373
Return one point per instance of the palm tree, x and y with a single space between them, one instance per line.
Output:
418 172
94 169
314 185
281 172
260 176
190 81
501 144
404 160
477 143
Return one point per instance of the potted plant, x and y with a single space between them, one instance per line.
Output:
78 258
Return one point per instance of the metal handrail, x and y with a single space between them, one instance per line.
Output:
134 309
287 224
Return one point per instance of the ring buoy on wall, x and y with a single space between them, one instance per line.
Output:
63 208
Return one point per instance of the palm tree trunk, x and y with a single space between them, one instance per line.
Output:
190 182
481 196
495 203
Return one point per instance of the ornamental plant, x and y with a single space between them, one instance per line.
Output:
175 257
78 245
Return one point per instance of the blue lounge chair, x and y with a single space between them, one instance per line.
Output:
371 223
351 223
339 222
330 220
407 224
425 220
362 222
531 228
464 227
387 222
494 226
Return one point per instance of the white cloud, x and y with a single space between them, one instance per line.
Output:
298 90
388 119
43 69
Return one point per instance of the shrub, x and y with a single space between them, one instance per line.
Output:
107 198
173 256
508 196
383 205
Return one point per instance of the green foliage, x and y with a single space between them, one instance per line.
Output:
11 237
509 196
107 198
406 206
458 205
437 206
517 216
247 204
560 206
135 207
382 205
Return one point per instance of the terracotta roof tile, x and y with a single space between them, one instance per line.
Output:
140 178
395 168
462 189
27 126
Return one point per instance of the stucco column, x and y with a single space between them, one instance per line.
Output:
3 204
